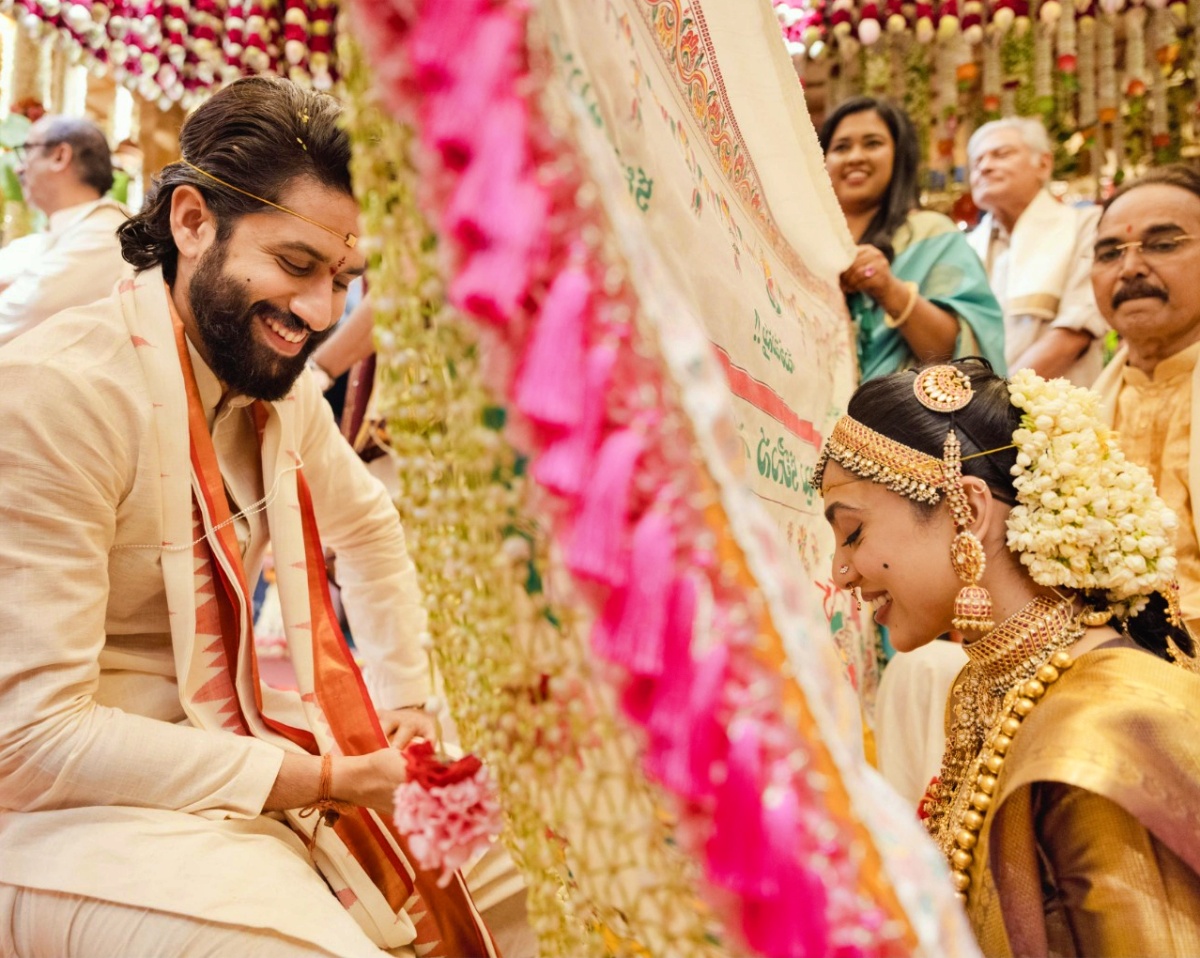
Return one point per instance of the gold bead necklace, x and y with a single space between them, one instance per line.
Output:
1008 673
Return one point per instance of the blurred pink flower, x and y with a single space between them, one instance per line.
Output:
447 825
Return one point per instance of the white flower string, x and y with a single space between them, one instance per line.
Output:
1087 518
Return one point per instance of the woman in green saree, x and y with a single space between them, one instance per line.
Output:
916 291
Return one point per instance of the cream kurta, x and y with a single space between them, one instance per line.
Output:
113 795
1041 274
75 262
910 715
1156 419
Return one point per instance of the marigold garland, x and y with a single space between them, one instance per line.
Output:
1060 63
178 51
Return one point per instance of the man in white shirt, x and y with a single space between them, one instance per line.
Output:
1037 253
65 170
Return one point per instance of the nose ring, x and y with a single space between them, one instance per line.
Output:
843 570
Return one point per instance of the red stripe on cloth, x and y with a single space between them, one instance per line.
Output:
763 398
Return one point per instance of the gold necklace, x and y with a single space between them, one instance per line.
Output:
1007 672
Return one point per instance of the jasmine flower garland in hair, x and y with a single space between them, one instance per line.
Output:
1087 518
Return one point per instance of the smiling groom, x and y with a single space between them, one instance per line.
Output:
152 789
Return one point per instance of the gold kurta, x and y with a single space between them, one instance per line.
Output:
1154 420
1092 846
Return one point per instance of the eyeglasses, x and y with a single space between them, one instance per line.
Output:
1153 249
22 151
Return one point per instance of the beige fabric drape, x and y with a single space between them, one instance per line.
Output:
693 125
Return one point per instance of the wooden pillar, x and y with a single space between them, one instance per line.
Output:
158 137
57 75
27 67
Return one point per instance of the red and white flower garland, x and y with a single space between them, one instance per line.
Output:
175 51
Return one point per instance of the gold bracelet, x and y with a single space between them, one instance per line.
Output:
900 320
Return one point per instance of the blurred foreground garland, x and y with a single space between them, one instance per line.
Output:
583 825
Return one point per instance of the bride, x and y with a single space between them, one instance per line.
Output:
1068 803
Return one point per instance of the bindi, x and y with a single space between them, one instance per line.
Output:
333 270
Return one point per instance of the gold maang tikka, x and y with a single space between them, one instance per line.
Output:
947 389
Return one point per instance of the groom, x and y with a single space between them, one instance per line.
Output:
154 443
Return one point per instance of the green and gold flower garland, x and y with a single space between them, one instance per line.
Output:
587 831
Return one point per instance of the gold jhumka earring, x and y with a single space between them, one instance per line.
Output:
947 389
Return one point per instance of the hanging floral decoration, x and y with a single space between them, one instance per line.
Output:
604 875
176 51
661 581
1056 59
448 809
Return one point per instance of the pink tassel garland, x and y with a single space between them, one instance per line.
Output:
550 386
481 209
708 742
684 760
791 923
598 539
436 40
630 630
479 72
487 287
563 466
658 703
498 211
670 700
737 847
637 698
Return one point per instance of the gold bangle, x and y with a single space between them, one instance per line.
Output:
900 320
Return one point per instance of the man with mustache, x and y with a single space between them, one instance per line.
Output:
155 796
1145 266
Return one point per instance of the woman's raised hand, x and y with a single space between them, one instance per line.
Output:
870 273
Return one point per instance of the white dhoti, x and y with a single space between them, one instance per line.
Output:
249 888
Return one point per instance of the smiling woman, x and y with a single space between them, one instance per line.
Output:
916 291
958 498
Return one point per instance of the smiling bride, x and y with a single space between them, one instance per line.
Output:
1068 801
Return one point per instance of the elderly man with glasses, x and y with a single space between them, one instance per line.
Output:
1145 265
65 170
